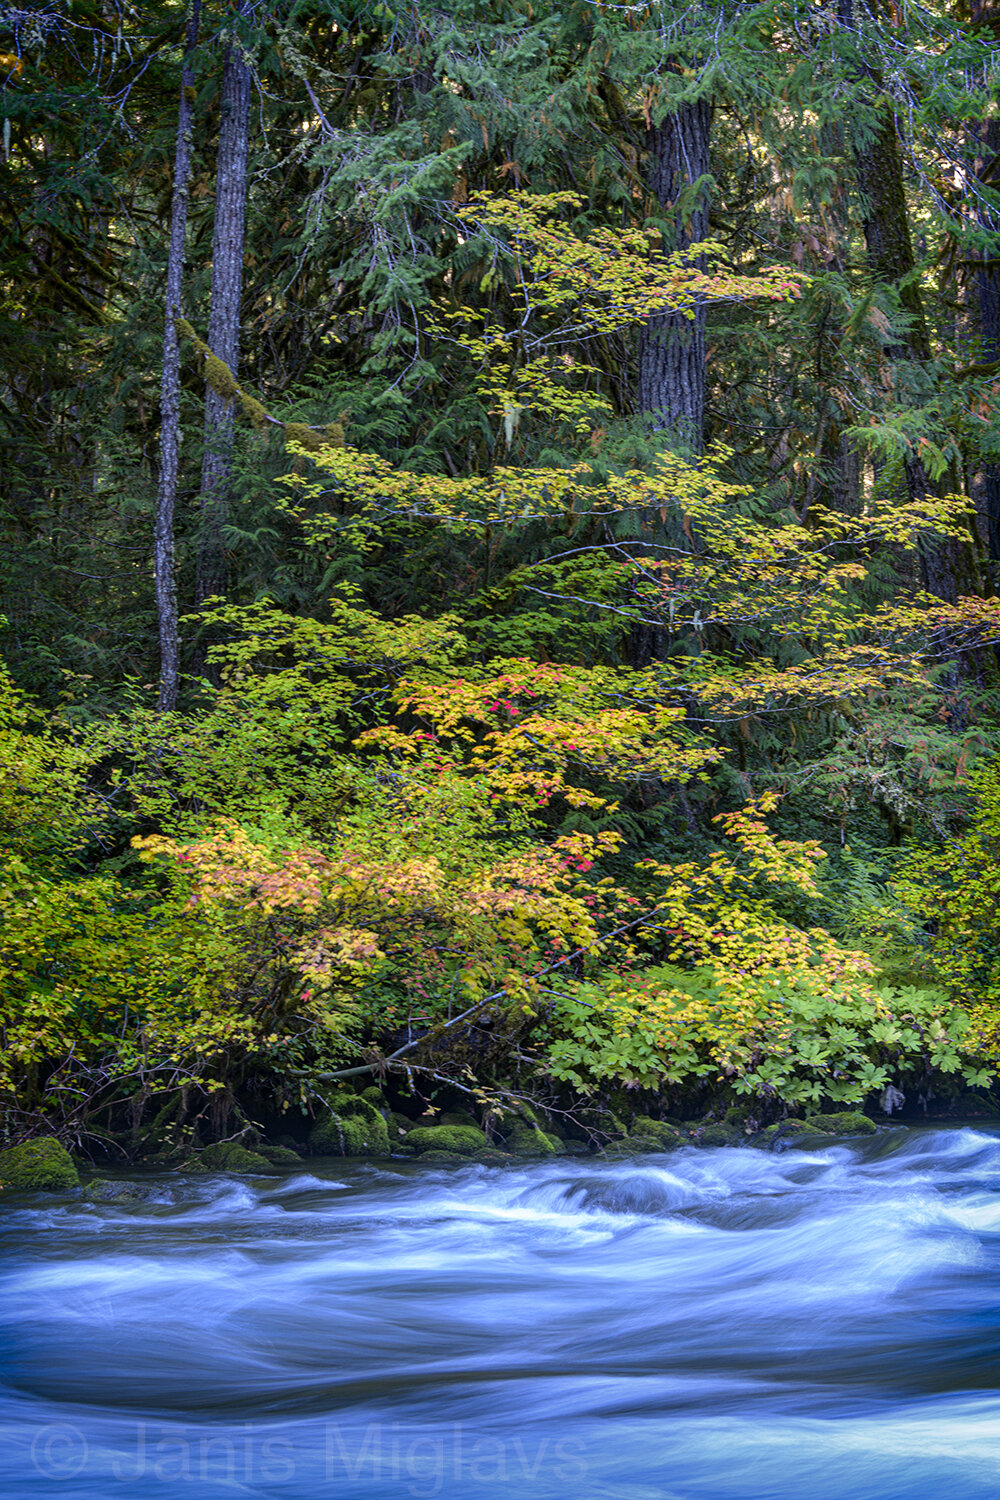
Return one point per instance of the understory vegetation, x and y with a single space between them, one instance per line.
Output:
558 697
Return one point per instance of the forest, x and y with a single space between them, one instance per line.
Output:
499 610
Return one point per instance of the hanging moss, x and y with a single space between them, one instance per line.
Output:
253 410
224 383
220 377
298 432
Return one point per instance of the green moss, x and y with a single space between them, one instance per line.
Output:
41 1166
636 1146
787 1132
659 1135
528 1140
280 1156
253 410
491 1157
451 1158
298 432
353 1127
459 1117
120 1194
717 1134
230 1156
461 1139
846 1122
600 1124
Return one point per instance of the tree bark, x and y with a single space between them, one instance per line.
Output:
672 347
948 568
988 289
224 316
170 391
987 13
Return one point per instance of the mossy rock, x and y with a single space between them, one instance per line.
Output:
845 1122
40 1166
357 1107
349 1135
492 1157
717 1134
600 1124
446 1158
461 1140
788 1133
459 1117
660 1135
123 1194
529 1140
373 1096
280 1156
229 1156
631 1146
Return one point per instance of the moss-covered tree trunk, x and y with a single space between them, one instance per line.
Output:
224 316
170 389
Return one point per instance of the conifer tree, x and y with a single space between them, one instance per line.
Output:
226 302
170 398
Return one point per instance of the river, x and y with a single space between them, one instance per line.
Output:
695 1326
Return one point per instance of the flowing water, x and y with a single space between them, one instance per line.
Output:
707 1324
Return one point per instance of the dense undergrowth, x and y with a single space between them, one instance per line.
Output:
375 854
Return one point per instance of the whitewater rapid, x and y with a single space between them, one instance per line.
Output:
695 1326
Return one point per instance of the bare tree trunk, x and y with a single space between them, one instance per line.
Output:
224 317
672 347
170 390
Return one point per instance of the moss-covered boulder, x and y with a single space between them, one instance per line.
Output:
656 1135
352 1127
630 1146
459 1117
463 1140
526 1139
279 1156
124 1194
788 1133
228 1156
599 1125
492 1157
844 1122
717 1133
41 1166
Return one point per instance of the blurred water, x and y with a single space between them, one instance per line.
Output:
707 1324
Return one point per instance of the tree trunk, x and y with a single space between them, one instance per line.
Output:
170 391
987 154
672 347
224 316
988 289
948 568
